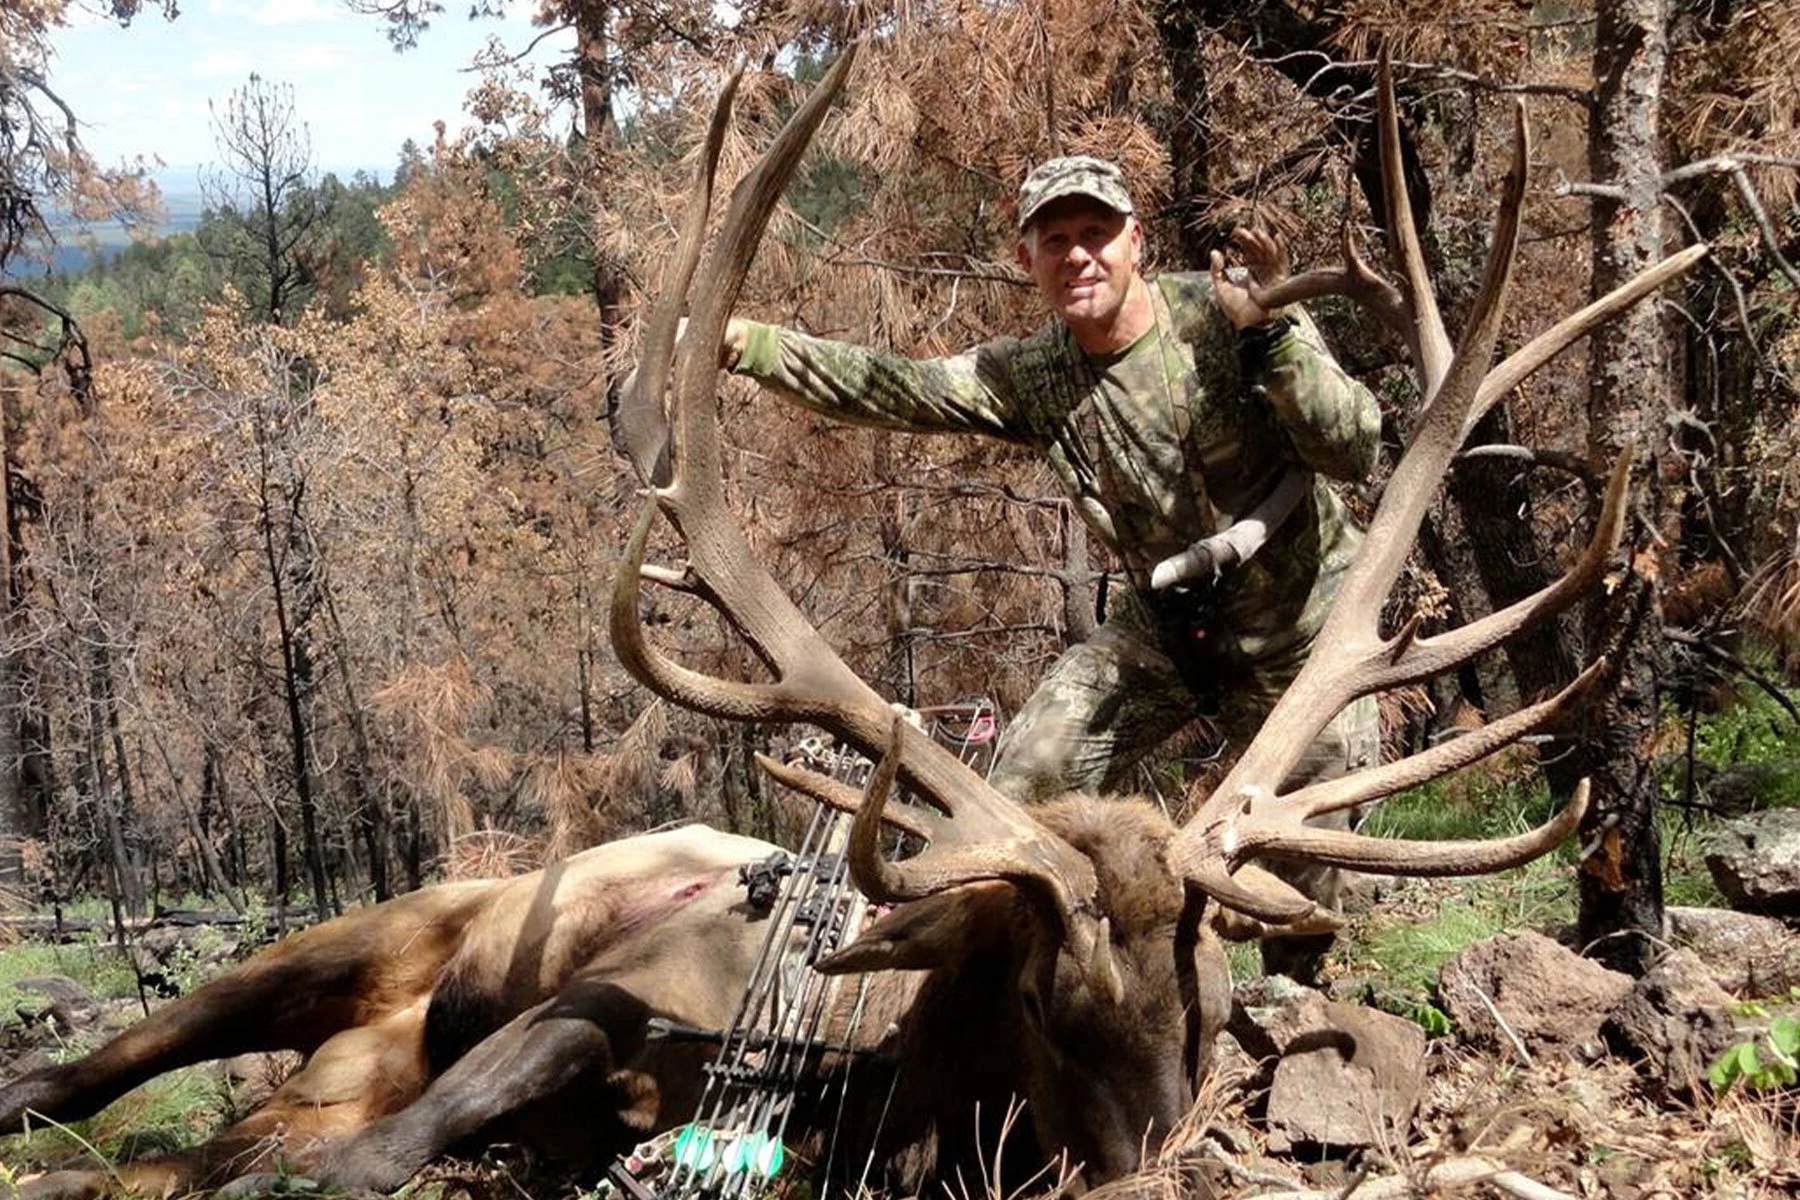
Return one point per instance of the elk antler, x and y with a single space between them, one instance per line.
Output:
976 833
1244 817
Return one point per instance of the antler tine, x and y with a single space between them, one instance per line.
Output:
753 201
982 835
1405 856
918 822
640 428
1348 791
1429 342
1440 429
1572 328
1435 655
1354 278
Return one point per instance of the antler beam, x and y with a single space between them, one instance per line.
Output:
976 834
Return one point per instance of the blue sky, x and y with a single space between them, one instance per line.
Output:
144 90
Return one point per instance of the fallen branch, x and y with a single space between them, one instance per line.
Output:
1454 1173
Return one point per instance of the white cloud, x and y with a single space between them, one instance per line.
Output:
302 61
216 64
293 12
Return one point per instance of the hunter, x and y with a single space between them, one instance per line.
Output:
1170 409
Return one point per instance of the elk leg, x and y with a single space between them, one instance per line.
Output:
292 996
590 1026
356 1077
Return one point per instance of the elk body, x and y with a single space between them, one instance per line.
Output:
1066 954
521 1008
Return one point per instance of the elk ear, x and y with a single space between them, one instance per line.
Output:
939 930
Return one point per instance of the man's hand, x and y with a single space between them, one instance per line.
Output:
731 349
1267 258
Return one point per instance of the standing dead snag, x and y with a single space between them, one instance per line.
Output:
1068 954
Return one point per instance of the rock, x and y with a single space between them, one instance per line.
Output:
57 999
1674 1022
1232 1067
1748 786
1551 998
1344 1076
1755 861
1749 956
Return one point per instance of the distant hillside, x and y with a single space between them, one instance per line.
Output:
79 247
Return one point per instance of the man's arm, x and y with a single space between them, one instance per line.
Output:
1332 419
967 393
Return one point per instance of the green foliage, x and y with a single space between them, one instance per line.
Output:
167 1114
160 286
1465 807
1777 1065
1412 947
1754 729
95 964
1432 1019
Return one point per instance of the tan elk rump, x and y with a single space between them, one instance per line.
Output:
1068 954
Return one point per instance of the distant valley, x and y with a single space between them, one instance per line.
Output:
78 247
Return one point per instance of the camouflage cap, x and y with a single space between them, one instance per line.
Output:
1076 175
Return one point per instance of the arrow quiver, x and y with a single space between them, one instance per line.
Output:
778 1050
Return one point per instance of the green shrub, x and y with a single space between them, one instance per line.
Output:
1761 1065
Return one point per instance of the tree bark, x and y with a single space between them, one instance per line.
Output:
1187 126
126 888
1621 907
598 133
296 681
16 824
372 823
1495 505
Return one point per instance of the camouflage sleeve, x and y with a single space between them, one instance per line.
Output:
967 393
1333 420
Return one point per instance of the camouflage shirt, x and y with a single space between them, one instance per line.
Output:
1170 440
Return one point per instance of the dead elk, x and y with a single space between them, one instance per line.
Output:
1067 954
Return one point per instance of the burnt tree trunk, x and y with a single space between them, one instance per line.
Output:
371 820
296 683
1621 906
125 887
1494 501
16 818
1187 126
599 134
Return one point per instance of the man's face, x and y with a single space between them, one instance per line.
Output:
1083 256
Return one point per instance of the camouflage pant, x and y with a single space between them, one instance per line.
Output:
1109 701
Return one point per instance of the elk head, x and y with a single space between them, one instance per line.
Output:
1119 981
